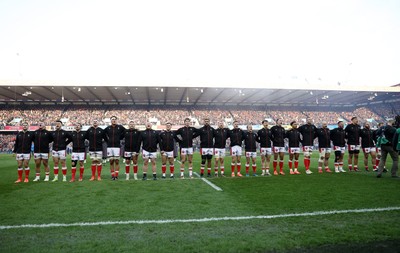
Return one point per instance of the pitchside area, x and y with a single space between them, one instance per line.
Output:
292 213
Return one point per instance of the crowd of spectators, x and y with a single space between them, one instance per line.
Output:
7 143
214 114
176 114
366 114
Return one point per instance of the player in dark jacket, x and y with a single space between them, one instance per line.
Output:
324 145
115 133
150 140
368 145
353 143
278 142
293 136
41 140
78 152
167 146
264 138
22 151
236 138
184 136
96 136
250 145
220 137
206 134
131 149
61 139
308 133
339 146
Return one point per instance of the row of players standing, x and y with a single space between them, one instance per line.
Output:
213 142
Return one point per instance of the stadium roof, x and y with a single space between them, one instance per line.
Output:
194 96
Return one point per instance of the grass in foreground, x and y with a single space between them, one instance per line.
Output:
41 203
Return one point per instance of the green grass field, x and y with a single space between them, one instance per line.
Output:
80 202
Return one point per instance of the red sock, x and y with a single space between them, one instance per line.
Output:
164 168
247 168
280 165
377 162
233 167
216 170
93 170
239 166
127 168
290 164
201 170
296 164
81 170
350 167
116 173
112 172
73 172
20 174
99 167
274 164
27 170
254 168
171 169
135 168
307 163
55 171
64 171
222 170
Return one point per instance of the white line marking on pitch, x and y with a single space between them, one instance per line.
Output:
318 213
208 182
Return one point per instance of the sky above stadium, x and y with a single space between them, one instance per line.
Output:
202 43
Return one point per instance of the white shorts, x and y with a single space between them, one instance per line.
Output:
323 151
59 154
20 157
236 151
168 154
354 147
206 151
266 151
308 148
41 155
294 150
129 155
278 149
341 149
186 151
78 156
219 152
96 155
369 150
251 154
113 153
149 155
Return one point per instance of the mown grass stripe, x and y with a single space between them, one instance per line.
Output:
103 223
